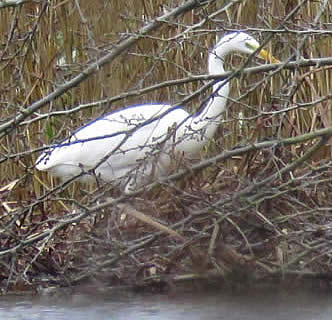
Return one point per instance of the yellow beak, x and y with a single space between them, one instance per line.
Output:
267 56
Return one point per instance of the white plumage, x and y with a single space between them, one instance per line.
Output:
137 144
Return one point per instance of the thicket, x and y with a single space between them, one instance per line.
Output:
258 204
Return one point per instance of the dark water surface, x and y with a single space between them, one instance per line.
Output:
267 304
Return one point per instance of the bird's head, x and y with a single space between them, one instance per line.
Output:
243 43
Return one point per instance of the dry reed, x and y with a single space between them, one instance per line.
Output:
43 46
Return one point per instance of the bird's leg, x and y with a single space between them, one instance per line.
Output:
90 172
96 179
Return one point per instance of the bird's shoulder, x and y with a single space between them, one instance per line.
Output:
132 116
144 112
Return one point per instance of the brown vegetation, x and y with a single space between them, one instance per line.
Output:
259 208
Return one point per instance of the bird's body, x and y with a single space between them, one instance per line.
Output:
125 157
138 143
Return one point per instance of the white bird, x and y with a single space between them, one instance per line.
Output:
137 144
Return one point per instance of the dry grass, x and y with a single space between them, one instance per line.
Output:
43 46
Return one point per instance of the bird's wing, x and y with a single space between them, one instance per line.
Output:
124 136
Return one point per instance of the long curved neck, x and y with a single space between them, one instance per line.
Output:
209 117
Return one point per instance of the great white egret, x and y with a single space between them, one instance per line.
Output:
137 144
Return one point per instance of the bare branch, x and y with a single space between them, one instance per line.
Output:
316 62
94 67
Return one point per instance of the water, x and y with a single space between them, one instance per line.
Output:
271 304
